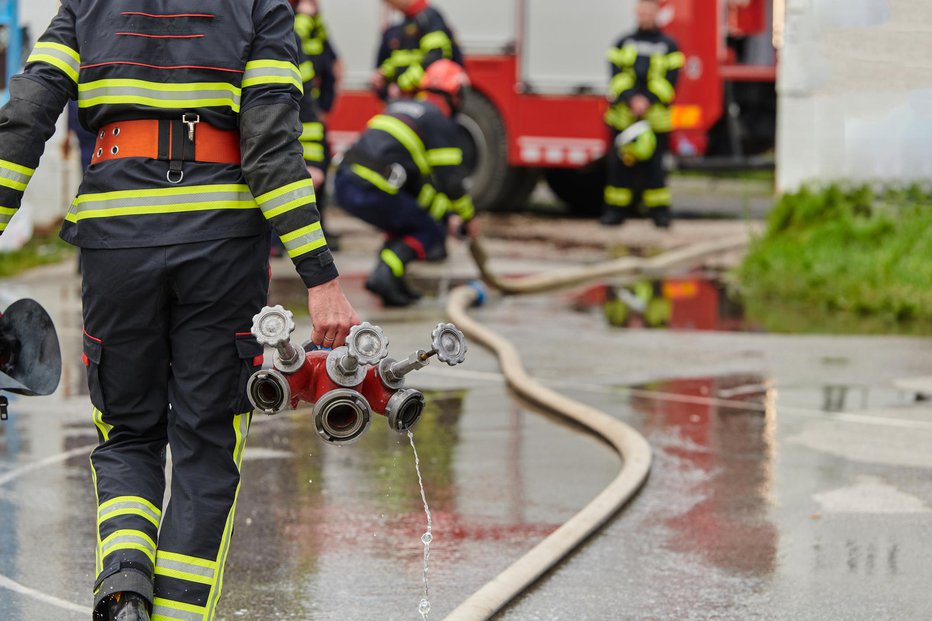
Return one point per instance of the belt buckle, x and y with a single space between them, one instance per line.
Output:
397 176
191 121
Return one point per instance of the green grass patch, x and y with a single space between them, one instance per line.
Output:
846 253
41 250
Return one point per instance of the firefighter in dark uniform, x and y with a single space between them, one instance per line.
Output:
321 72
405 176
196 114
410 47
644 67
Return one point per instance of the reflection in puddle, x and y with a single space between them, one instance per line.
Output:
733 447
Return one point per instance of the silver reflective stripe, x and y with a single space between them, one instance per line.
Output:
14 176
183 567
304 193
126 506
120 541
158 201
164 610
118 91
6 214
57 55
253 74
315 234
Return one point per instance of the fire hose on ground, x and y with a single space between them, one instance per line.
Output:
630 445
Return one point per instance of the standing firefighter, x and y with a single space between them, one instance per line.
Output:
644 66
320 72
405 176
409 48
173 225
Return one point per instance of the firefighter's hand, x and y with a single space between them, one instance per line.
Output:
331 313
378 80
464 230
639 105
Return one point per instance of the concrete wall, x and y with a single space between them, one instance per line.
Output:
855 92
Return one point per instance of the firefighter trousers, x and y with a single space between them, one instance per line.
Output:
630 184
168 351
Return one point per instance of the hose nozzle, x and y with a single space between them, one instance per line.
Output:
404 409
342 416
268 391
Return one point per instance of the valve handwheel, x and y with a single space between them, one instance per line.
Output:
367 344
273 326
449 343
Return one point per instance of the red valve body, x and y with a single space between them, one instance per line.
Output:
311 382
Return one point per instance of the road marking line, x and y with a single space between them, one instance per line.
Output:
16 587
42 463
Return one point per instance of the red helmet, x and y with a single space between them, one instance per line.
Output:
445 77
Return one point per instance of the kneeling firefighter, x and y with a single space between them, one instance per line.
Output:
405 176
196 116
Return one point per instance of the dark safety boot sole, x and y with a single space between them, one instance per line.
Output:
612 216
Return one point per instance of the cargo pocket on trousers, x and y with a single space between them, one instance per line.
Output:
249 352
93 354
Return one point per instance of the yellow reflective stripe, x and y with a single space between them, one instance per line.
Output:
411 78
103 427
622 82
185 567
618 197
241 429
624 56
307 71
128 540
620 116
440 206
304 240
659 118
464 207
437 40
657 198
160 201
15 176
160 95
314 152
676 60
374 178
400 58
400 131
313 47
287 198
393 261
263 72
59 56
98 562
169 610
662 88
129 505
445 157
312 131
426 196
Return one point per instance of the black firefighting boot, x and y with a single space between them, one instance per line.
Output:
613 215
128 607
387 280
661 216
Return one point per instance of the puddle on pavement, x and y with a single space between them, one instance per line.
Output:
722 429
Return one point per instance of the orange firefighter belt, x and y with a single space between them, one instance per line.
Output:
174 141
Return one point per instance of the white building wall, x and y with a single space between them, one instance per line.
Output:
855 92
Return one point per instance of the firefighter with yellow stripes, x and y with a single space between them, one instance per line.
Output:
405 176
411 46
645 66
320 72
196 116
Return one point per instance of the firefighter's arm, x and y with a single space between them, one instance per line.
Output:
663 76
435 44
445 156
37 98
623 84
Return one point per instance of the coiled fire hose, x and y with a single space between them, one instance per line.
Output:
630 445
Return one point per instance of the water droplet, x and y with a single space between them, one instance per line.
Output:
423 607
426 538
310 480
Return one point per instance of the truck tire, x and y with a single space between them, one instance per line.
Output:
491 179
581 189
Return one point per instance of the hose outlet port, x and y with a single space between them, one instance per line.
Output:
404 410
268 391
342 416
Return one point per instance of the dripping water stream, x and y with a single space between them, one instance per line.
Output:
424 605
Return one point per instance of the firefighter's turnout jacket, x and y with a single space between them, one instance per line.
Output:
408 48
173 217
646 63
413 147
222 66
319 59
314 142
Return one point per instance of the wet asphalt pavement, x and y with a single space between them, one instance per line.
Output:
791 481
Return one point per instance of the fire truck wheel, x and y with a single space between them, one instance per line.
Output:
485 151
581 189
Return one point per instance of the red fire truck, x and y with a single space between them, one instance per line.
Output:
539 73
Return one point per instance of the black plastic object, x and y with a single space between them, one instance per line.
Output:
30 357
